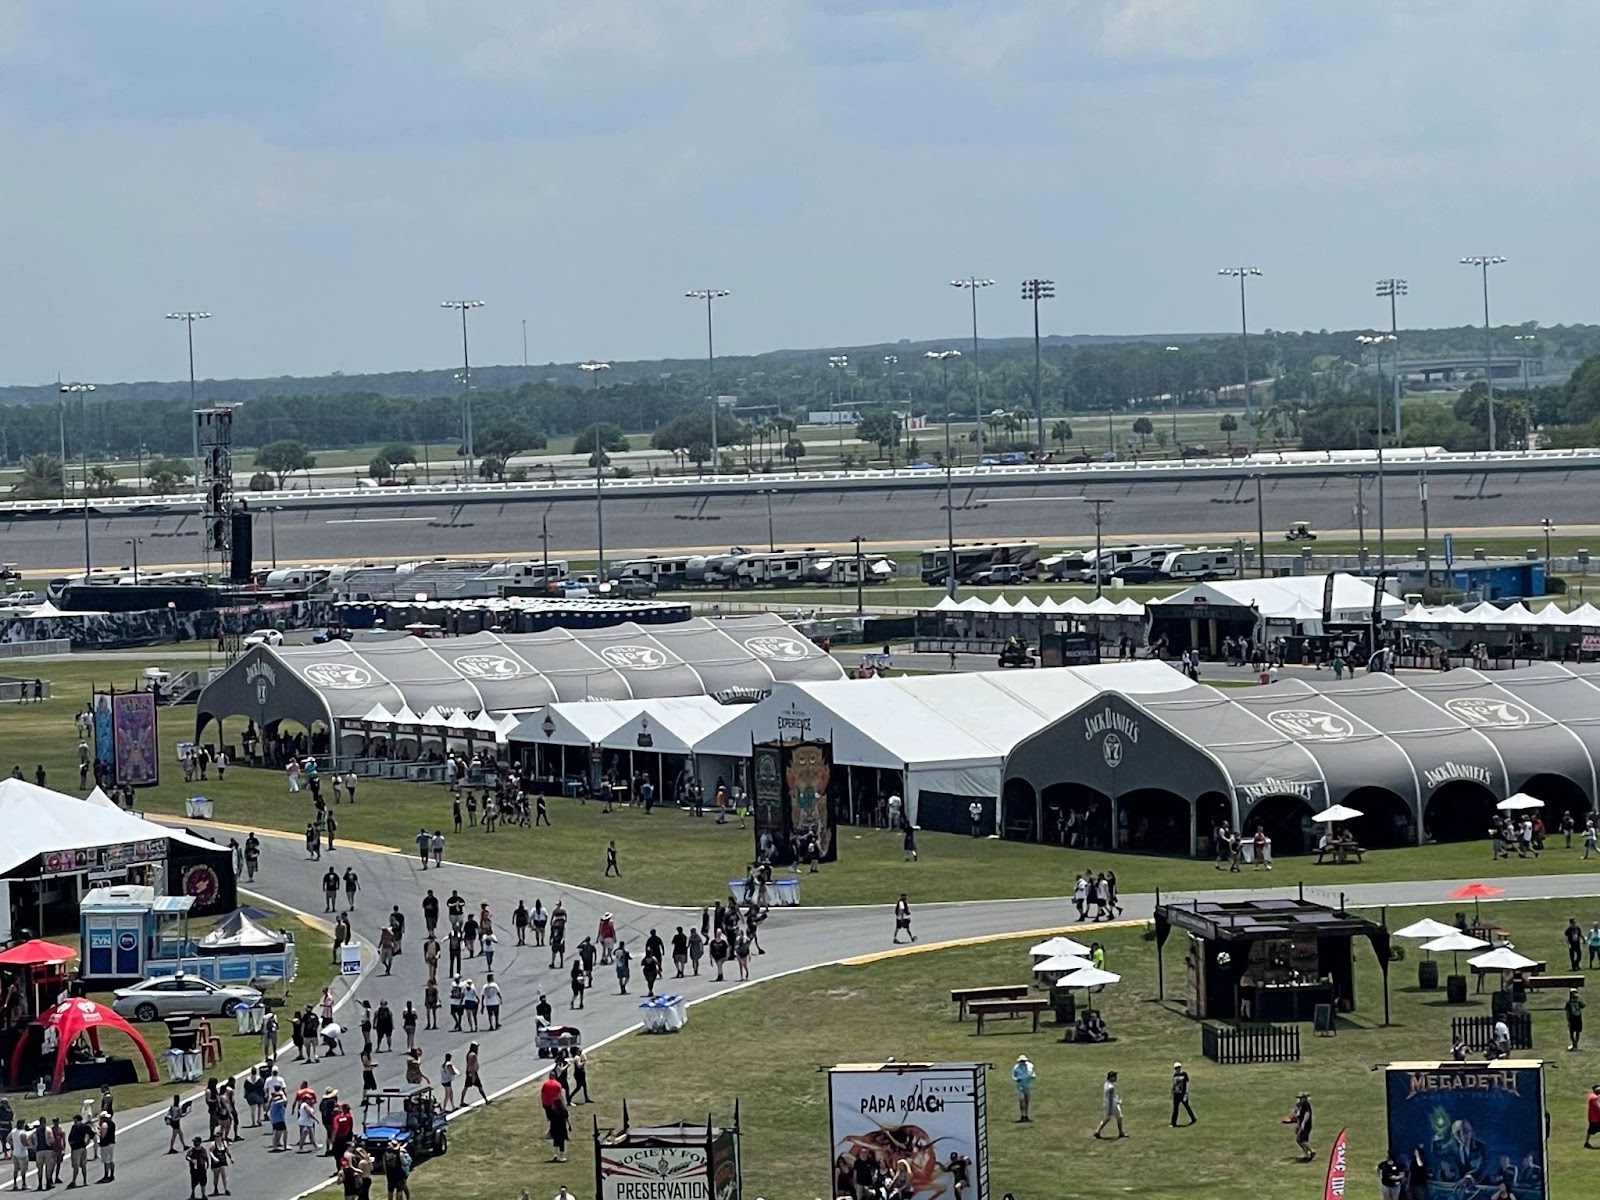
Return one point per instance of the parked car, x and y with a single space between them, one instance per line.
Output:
22 598
155 999
630 588
1002 574
264 637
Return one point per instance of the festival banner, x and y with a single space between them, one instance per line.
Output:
932 1115
806 777
133 735
1476 1125
104 751
1333 1189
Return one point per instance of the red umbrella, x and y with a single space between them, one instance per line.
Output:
36 953
1475 892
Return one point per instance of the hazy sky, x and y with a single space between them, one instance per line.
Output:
320 175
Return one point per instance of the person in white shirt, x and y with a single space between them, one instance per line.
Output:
975 812
491 1002
894 812
19 1157
1113 1106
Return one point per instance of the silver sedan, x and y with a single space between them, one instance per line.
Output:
176 995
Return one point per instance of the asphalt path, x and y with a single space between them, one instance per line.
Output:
796 940
903 519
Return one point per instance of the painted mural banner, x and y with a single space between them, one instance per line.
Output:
932 1115
1476 1125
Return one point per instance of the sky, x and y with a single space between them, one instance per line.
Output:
321 176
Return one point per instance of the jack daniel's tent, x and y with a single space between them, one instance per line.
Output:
1418 755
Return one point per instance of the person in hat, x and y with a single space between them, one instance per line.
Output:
1113 1106
1301 1118
1180 1094
608 937
1023 1076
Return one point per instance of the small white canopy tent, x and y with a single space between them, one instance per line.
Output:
672 725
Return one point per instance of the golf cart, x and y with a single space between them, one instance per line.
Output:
1016 654
1300 531
408 1115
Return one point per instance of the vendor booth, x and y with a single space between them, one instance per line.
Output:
131 933
63 1047
1268 960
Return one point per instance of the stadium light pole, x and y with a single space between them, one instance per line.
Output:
1099 518
949 511
465 306
1242 274
838 362
709 295
1376 341
772 542
1483 262
860 608
135 543
972 283
81 391
1035 290
1175 389
943 357
1527 383
594 369
1391 290
189 318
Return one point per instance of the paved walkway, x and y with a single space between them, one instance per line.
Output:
795 940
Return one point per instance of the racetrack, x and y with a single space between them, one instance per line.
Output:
1498 503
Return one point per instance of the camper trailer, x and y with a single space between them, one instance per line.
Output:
663 570
1202 563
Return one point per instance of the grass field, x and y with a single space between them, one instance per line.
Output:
670 857
312 948
763 1047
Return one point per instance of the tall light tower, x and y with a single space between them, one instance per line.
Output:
709 295
465 306
1035 290
1483 262
189 318
81 391
594 369
1391 290
1376 341
1242 274
839 363
972 283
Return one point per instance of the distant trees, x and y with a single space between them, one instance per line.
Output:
688 437
284 458
167 475
1143 429
881 427
1229 426
1060 433
43 478
612 441
794 450
502 442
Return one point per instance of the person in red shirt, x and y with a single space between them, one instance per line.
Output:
343 1130
1594 1116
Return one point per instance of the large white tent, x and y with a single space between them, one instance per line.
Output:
948 734
1297 598
673 725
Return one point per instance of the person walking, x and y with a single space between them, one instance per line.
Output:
1302 1118
447 1081
1112 1101
473 1078
106 1144
519 922
1023 1075
1574 1011
622 960
1593 1115
539 919
611 861
902 919
438 849
199 1160
173 1117
219 1156
580 1077
1180 1094
697 947
1573 934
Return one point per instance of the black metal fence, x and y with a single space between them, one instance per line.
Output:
1478 1032
1232 1045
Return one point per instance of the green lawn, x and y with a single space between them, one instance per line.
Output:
762 1048
670 857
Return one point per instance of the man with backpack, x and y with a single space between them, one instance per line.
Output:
397 1171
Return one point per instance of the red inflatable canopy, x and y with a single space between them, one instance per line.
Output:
74 1017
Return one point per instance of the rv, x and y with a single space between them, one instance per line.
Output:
1068 564
663 570
840 571
1120 561
972 557
1202 563
781 568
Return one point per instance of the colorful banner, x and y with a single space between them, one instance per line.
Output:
133 735
103 749
1333 1189
807 778
934 1116
1476 1125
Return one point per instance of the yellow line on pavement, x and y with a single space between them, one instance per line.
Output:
981 940
230 827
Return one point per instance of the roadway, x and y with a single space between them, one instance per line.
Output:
796 940
1050 511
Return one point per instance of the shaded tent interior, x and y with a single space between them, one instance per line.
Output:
1268 960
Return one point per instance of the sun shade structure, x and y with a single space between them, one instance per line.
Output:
1453 943
496 674
1089 977
39 822
1519 802
36 953
1502 958
80 1017
1337 812
1426 928
1052 947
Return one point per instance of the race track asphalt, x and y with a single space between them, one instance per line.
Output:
795 940
1050 512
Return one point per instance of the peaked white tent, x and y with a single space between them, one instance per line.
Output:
672 726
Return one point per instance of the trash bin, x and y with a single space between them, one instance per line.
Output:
1065 1003
1428 975
1455 989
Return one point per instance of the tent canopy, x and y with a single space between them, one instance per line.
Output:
40 821
1288 598
513 672
36 953
72 1018
238 934
671 726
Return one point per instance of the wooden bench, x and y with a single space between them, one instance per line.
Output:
1341 853
1022 1006
1005 991
1535 983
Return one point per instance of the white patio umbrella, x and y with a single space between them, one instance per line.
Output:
1053 947
1426 928
1087 977
1519 801
1337 812
1061 964
1455 942
1502 958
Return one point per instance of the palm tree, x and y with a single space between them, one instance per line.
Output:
42 478
103 480
1061 434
